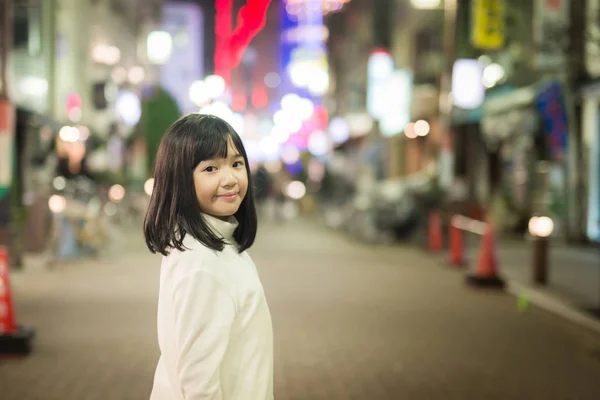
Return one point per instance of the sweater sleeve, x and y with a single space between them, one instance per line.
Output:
204 312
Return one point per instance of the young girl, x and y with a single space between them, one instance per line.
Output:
214 325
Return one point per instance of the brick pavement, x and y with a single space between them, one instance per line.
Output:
351 322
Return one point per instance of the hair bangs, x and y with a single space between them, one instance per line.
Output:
213 142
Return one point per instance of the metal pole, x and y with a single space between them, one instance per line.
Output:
5 44
540 260
445 103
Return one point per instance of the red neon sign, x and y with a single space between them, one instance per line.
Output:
232 43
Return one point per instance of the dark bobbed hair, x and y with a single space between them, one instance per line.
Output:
174 211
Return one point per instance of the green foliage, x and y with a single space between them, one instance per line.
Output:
159 111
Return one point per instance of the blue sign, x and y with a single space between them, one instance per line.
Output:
551 105
301 37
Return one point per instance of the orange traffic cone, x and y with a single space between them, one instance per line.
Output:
455 242
13 339
435 232
486 270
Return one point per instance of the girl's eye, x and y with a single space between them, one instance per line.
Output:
210 169
238 164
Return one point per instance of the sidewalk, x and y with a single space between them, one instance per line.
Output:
573 289
573 271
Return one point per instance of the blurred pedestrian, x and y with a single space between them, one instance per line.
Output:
214 325
262 187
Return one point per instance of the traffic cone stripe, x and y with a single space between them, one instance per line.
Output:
486 270
14 340
435 232
456 246
7 315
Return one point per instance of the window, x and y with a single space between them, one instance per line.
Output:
27 26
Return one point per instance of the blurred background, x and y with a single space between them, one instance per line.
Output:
387 139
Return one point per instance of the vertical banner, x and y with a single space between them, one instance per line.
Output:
186 64
551 105
6 144
487 24
550 33
592 45
302 49
553 112
593 217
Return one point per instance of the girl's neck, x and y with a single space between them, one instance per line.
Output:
224 226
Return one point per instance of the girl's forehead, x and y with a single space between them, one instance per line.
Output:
230 144
232 150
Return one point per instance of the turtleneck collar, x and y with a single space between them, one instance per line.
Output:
221 227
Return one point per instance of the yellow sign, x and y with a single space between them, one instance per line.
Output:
487 24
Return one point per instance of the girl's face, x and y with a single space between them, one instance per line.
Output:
221 184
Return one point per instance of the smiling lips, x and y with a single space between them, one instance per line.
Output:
228 196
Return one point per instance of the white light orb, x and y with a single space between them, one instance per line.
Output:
269 147
286 121
280 134
422 127
295 190
319 83
279 118
215 86
118 75
57 203
129 107
305 109
84 132
492 75
541 226
69 134
318 143
59 183
339 130
219 109
149 186
426 4
272 80
237 122
159 46
198 93
289 102
136 75
116 193
409 130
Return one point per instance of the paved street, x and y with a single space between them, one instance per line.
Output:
351 322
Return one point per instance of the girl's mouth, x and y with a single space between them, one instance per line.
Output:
230 196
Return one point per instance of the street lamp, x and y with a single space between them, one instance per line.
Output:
540 228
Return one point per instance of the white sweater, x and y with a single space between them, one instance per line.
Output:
214 325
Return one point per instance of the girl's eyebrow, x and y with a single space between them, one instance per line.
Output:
218 158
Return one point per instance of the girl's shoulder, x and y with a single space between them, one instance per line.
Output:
193 252
224 265
197 256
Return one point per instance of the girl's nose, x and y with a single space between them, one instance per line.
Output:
228 178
